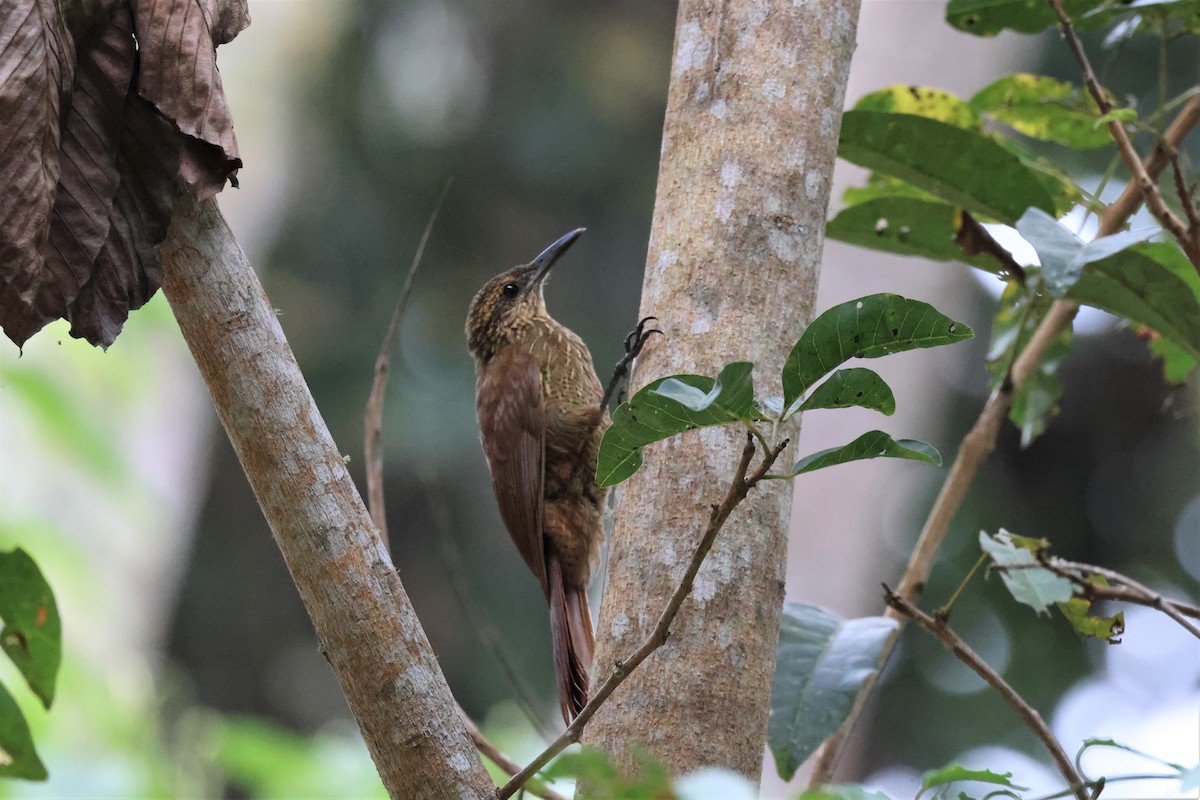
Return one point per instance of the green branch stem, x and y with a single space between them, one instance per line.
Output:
743 481
955 644
981 440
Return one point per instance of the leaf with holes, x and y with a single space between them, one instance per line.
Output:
853 387
823 660
955 773
18 758
870 327
32 634
669 406
963 167
1043 108
908 227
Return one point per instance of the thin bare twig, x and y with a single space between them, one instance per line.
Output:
487 632
739 487
981 440
373 415
497 757
1126 589
1149 187
954 643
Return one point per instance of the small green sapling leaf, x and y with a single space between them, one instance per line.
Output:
669 406
869 327
854 386
872 444
955 772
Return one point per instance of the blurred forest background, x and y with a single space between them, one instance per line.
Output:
190 667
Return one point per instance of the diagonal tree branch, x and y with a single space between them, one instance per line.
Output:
365 624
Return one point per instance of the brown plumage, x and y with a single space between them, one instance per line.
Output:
538 402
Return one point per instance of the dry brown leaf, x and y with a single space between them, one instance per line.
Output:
86 204
36 70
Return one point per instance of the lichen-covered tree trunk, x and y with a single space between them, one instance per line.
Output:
749 141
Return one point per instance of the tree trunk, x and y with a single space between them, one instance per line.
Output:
364 621
749 141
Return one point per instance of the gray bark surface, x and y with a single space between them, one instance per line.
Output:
749 141
364 621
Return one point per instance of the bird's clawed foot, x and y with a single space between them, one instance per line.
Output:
634 343
638 337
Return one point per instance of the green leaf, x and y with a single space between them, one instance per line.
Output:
1177 15
669 406
842 792
1177 363
854 386
965 168
880 185
1021 310
1147 284
1104 742
589 765
18 758
1063 256
906 226
1043 108
954 772
989 17
1116 115
869 327
1078 611
922 101
872 444
1027 581
32 634
823 660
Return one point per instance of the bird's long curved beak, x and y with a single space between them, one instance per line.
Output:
551 254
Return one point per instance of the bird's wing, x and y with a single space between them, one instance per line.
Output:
512 421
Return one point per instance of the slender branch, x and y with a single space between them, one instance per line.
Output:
739 487
982 438
497 757
955 644
1189 115
1149 187
1128 590
373 416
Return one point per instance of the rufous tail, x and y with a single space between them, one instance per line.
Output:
572 639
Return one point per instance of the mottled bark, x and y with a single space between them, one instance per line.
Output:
749 142
363 619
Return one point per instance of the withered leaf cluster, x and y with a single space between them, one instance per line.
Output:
108 109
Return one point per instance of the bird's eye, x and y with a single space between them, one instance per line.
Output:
511 290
